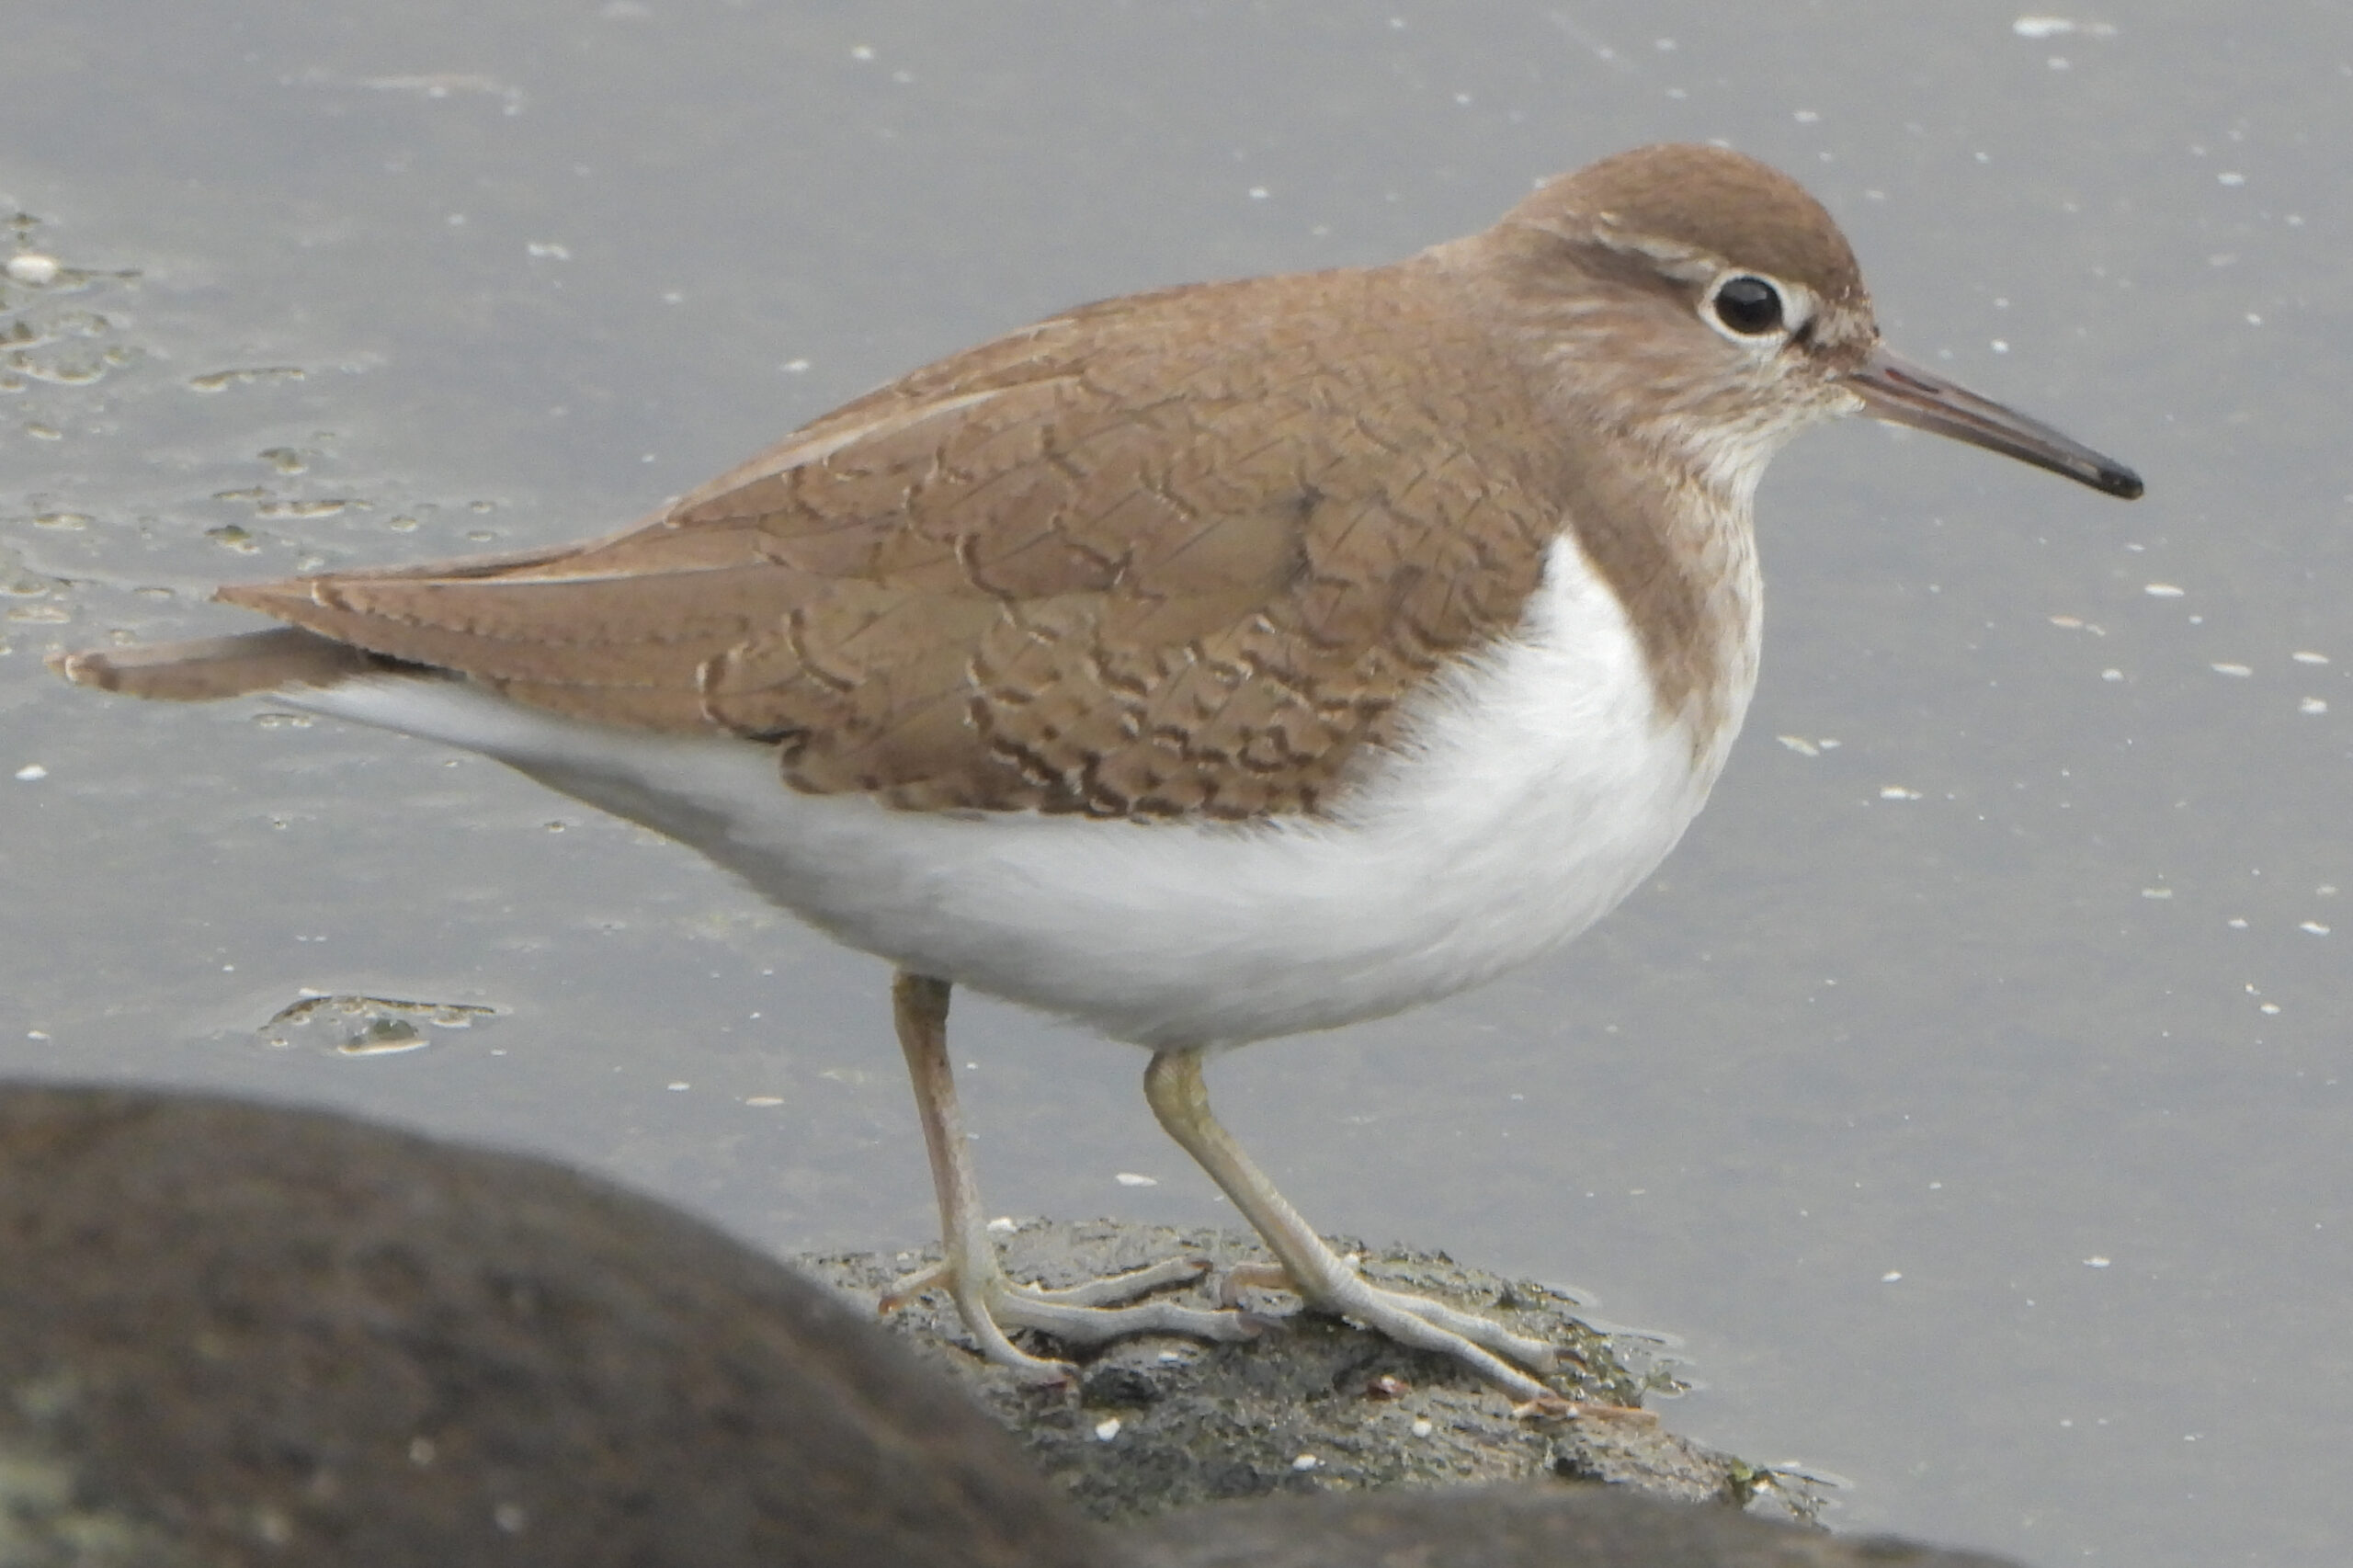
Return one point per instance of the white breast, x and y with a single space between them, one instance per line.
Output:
1542 785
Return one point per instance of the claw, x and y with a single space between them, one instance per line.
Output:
1252 1276
1552 1407
907 1286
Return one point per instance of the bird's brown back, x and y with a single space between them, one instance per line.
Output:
1182 552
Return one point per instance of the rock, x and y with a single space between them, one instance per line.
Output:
1313 1405
1509 1526
236 1334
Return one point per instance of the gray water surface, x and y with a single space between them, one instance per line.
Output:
1967 1095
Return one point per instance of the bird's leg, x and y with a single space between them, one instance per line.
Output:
1085 1314
968 1264
1325 1280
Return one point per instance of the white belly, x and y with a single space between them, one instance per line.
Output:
1544 787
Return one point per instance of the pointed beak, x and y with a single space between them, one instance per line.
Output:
1899 391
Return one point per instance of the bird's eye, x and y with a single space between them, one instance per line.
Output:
1749 306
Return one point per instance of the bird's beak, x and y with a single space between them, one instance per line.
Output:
1899 391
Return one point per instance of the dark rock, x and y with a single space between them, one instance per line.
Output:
1107 1385
233 1333
1509 1527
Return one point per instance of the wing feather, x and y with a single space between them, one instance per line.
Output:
1132 562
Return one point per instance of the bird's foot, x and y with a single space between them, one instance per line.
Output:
1091 1313
1487 1346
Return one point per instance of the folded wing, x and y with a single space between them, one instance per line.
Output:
1117 564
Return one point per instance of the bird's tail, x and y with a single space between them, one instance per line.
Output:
215 667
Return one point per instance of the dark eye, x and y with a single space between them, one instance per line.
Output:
1749 306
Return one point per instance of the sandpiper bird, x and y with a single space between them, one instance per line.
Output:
1205 665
